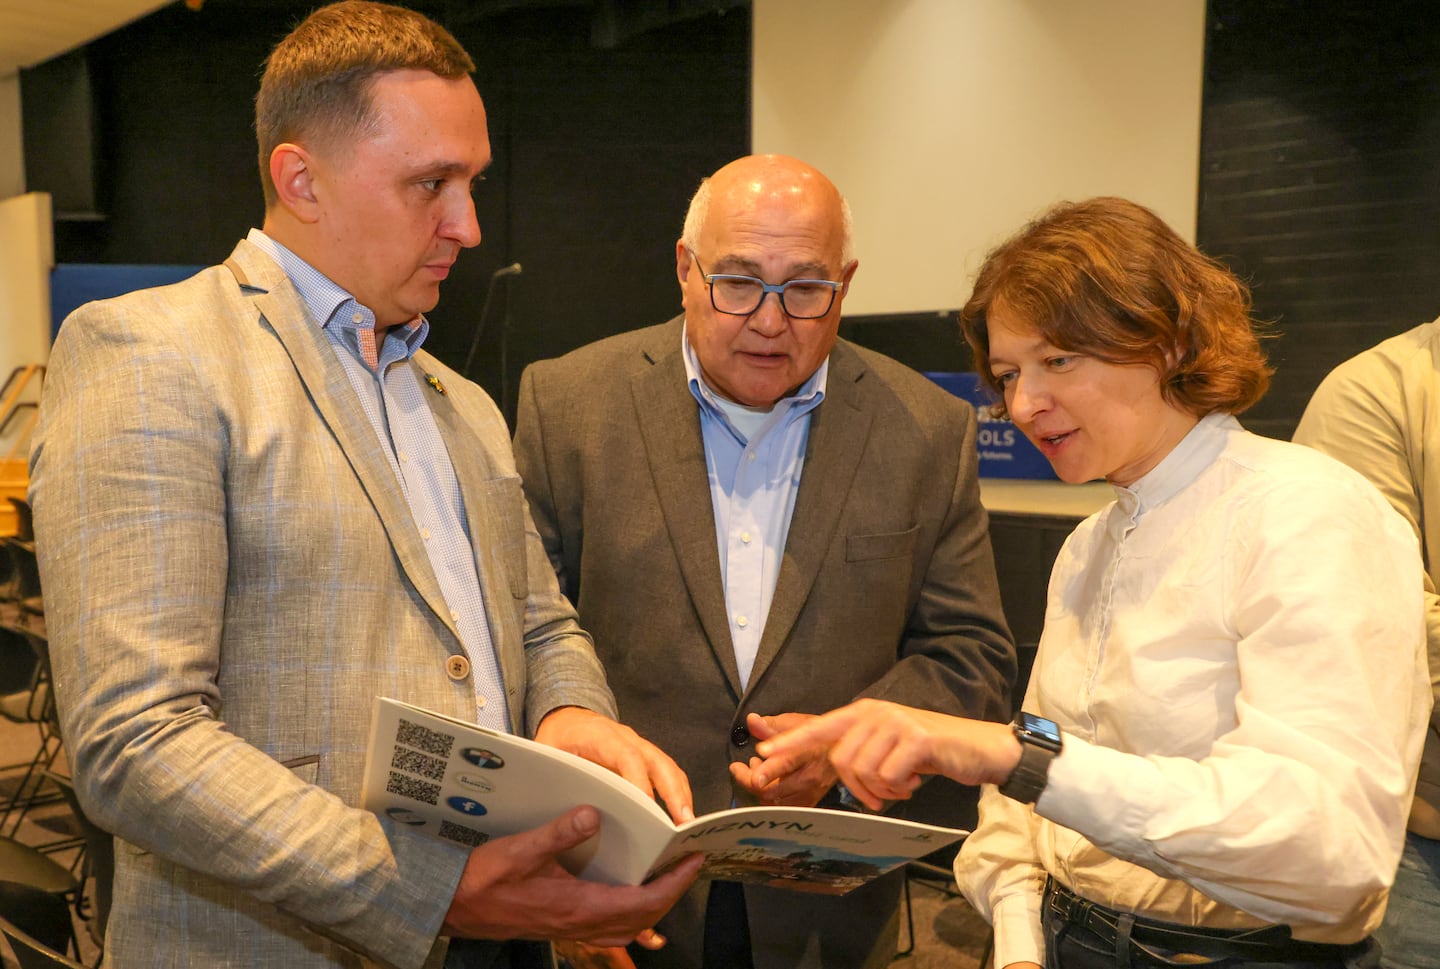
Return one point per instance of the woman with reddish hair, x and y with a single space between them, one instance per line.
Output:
1220 736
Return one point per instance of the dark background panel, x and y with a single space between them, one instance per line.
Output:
603 119
67 122
606 149
925 341
1320 177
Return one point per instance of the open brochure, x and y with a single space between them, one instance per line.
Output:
462 782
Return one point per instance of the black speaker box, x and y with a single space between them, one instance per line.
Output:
62 151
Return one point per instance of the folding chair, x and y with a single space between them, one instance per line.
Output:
25 653
31 953
98 863
36 894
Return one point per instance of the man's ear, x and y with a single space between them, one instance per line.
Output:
847 275
293 172
683 262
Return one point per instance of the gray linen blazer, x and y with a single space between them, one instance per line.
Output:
887 587
232 575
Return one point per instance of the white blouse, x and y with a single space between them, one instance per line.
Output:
1235 651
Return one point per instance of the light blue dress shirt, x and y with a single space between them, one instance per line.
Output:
754 459
394 401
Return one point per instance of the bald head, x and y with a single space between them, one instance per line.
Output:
777 184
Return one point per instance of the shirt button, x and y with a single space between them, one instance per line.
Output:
425 534
404 457
740 737
356 318
480 702
454 616
750 456
457 667
745 537
741 621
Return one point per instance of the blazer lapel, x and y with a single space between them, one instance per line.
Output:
282 308
839 428
670 426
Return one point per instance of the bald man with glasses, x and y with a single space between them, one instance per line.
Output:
759 522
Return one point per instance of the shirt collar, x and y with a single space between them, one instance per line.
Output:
805 399
330 303
1195 452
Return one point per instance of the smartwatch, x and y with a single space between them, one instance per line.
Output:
1040 742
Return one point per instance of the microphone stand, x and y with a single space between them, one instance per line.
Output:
506 408
504 272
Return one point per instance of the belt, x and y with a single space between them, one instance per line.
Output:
1270 943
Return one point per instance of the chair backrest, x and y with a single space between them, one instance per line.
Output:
99 857
24 519
9 572
25 694
39 707
31 954
47 712
19 664
25 565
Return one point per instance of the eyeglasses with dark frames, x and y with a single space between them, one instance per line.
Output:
736 295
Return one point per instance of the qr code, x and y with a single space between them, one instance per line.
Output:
416 790
462 834
423 738
432 768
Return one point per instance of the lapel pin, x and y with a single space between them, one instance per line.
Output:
435 384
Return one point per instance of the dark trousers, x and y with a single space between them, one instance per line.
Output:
1084 935
727 928
479 954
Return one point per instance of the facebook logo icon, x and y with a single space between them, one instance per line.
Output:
467 805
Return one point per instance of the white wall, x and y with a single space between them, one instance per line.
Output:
949 123
29 254
12 155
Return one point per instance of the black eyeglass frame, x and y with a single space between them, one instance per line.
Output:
766 289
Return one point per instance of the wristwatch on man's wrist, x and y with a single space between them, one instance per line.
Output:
1040 743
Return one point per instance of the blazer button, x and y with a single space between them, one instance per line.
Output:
457 667
740 736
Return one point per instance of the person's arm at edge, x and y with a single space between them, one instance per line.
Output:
1358 415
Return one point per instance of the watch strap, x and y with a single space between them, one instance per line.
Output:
1028 779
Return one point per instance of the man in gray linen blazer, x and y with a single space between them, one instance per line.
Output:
633 448
237 501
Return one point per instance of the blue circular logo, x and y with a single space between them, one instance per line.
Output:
467 805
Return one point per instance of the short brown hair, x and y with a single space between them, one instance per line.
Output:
317 80
1109 279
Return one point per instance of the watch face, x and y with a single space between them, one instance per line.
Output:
1040 727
